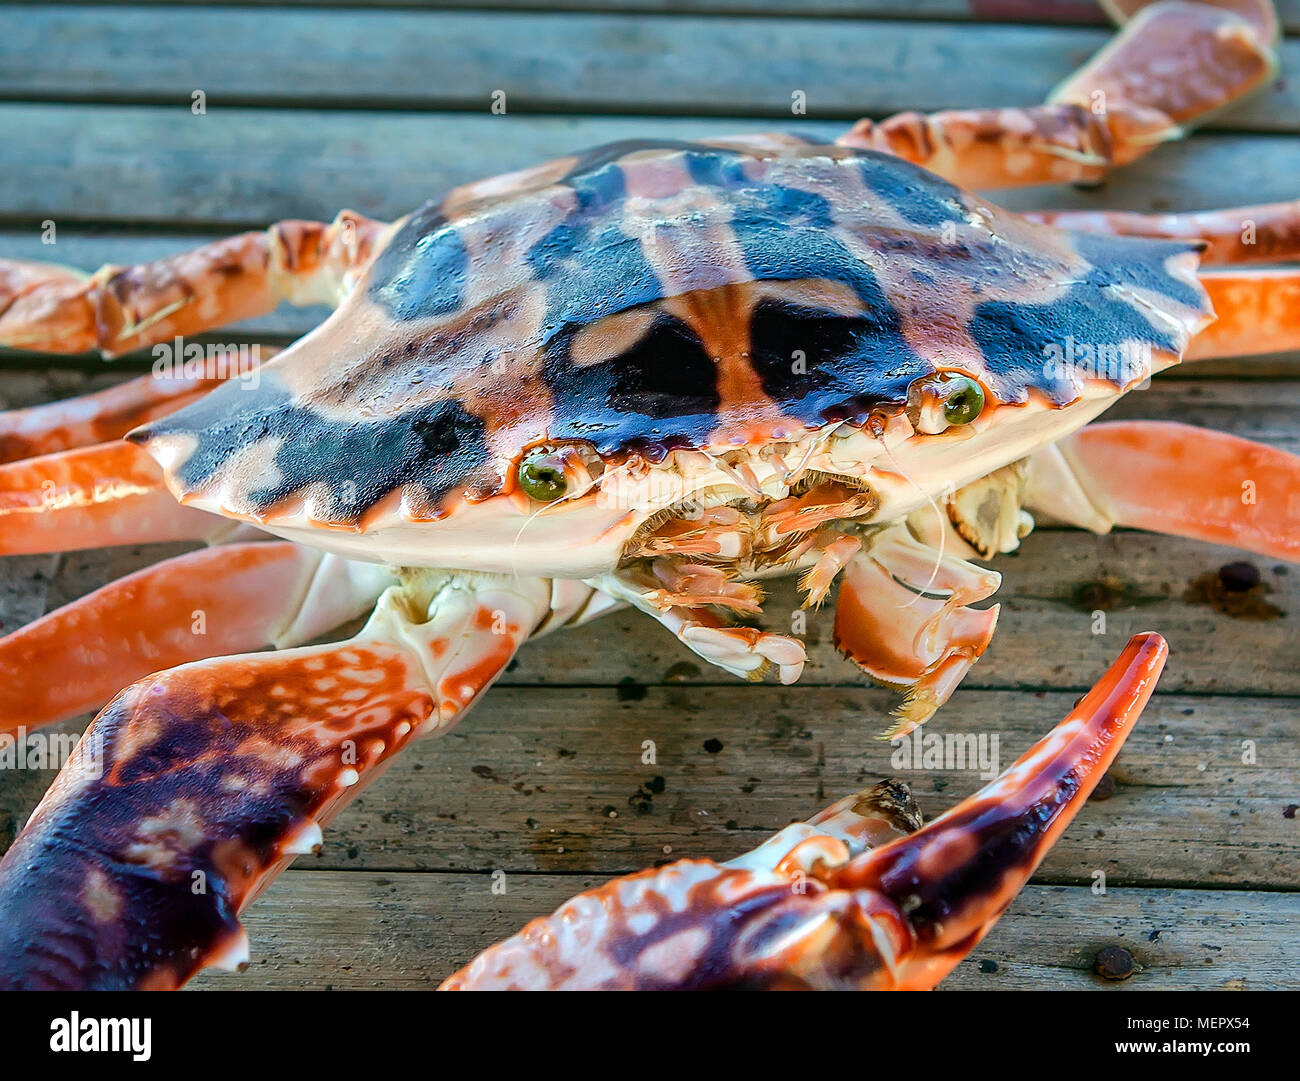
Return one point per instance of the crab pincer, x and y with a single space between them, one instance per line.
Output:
196 786
817 906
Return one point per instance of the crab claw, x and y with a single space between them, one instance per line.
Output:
196 786
816 907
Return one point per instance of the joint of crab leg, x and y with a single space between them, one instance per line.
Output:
903 619
1172 65
195 786
1172 478
1186 60
834 553
56 310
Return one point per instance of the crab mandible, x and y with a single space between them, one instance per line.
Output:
652 374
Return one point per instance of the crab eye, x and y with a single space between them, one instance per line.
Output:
541 475
963 400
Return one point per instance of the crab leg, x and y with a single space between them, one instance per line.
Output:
54 309
194 787
903 618
206 603
1258 312
1268 233
1172 478
92 497
817 906
111 413
1172 65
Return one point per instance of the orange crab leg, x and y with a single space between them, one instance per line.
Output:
1258 312
1172 478
1268 233
195 786
93 497
54 309
111 413
1172 65
811 908
206 603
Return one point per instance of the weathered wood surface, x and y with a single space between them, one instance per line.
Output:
1067 12
544 63
146 165
357 931
1199 841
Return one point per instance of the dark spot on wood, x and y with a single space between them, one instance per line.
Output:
1154 936
1104 790
1114 963
1289 810
682 671
629 690
1100 594
1227 590
988 966
713 746
564 752
1239 577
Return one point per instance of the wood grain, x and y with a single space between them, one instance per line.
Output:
339 931
604 63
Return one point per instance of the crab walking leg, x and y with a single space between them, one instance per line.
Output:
902 617
111 413
194 787
818 906
1258 312
1170 67
93 497
1269 233
228 599
54 309
1172 478
1261 14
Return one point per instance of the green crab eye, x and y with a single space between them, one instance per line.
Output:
541 475
963 400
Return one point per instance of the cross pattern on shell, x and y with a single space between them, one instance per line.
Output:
654 295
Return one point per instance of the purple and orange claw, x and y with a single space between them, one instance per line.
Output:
196 786
816 906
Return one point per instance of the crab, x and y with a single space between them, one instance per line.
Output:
655 374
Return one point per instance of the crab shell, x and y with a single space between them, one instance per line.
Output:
670 309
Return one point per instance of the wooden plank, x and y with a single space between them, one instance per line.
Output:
236 167
359 931
545 63
1068 12
551 778
1051 12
